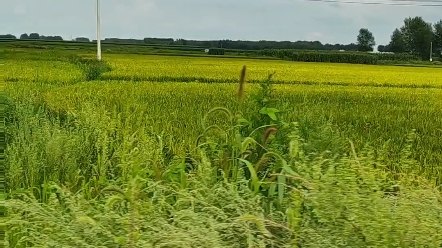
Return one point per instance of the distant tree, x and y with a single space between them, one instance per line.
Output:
417 35
181 42
206 44
34 36
82 39
24 37
42 37
437 35
382 48
8 36
239 44
397 44
226 44
162 41
366 40
123 41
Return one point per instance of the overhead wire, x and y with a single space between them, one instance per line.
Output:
416 3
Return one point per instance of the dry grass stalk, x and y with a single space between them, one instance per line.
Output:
242 82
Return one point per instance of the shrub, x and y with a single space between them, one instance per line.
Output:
91 68
216 51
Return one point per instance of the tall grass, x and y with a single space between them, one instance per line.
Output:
87 166
2 155
327 116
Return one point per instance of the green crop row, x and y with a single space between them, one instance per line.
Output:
336 57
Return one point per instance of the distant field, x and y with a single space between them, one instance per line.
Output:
216 70
332 56
114 48
212 70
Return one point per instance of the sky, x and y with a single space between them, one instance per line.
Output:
209 19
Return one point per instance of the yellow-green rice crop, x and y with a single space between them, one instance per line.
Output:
115 163
53 72
193 69
363 114
141 68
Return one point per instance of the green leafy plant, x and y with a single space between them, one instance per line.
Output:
245 149
92 68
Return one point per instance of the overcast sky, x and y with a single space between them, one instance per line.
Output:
209 19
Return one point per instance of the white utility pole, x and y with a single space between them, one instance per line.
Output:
98 32
431 51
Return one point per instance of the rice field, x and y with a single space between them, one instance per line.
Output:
210 70
133 159
222 70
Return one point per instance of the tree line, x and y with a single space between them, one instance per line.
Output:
32 36
415 36
227 44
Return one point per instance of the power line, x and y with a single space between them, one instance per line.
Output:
416 3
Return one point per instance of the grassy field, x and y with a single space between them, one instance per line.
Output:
163 151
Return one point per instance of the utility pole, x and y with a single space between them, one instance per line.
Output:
98 32
431 51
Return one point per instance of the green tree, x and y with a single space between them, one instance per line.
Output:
437 35
24 36
382 48
8 36
82 39
417 35
397 44
366 40
181 42
57 37
34 36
